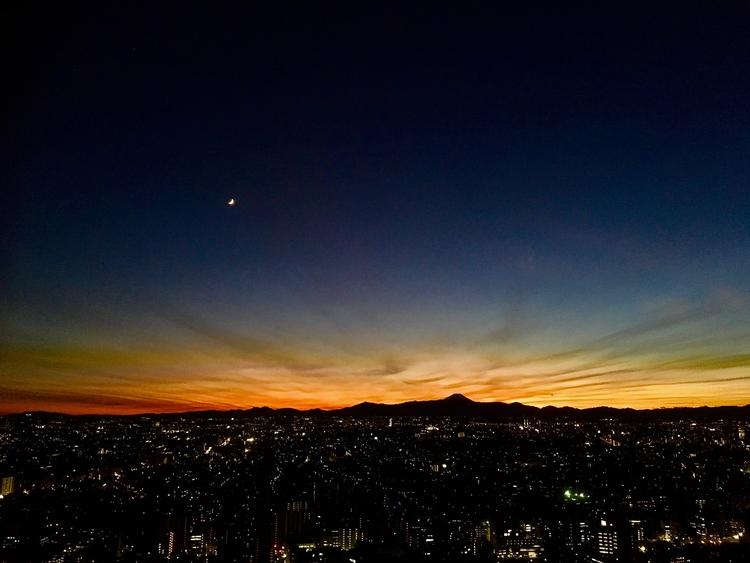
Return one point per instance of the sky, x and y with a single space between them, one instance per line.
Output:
547 205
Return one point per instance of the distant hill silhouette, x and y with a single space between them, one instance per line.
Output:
458 405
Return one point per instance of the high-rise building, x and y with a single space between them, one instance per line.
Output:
170 545
297 519
482 538
347 538
636 535
606 538
7 486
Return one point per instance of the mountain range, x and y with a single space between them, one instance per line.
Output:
458 405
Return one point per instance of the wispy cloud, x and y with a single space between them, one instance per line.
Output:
673 354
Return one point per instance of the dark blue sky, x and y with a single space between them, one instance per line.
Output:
409 179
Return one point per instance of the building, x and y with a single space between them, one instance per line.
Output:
606 539
7 486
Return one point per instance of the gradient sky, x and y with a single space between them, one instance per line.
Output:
550 206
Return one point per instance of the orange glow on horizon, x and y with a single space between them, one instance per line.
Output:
243 402
221 373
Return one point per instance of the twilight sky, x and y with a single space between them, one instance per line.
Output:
550 207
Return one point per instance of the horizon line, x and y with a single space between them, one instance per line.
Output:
337 408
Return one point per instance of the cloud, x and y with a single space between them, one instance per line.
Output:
15 400
197 363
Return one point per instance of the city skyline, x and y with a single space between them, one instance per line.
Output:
318 206
280 488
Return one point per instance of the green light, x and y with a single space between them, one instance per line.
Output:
567 493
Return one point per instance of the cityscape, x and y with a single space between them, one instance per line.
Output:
342 486
375 282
